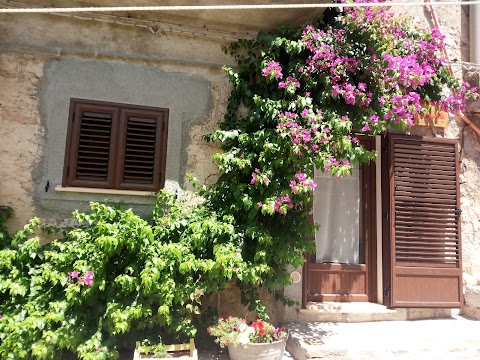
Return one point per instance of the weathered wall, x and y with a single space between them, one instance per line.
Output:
97 61
21 135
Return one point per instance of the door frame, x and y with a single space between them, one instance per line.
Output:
366 273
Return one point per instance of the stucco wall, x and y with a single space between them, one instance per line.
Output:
91 60
187 97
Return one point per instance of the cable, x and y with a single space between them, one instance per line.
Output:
228 7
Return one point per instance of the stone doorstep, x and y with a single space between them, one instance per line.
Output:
439 339
365 312
345 312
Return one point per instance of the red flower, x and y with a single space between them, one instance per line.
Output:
259 327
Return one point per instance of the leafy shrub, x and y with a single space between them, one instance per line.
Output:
116 274
5 213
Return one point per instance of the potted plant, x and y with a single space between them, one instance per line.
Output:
255 340
146 350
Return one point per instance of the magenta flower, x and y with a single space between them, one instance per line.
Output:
73 274
273 69
301 177
266 180
312 184
259 204
254 179
335 90
366 128
293 184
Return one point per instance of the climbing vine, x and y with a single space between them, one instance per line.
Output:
301 99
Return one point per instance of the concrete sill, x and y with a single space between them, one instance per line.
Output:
103 191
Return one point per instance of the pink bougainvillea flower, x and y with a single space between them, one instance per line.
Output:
366 128
292 185
274 69
73 274
301 177
254 179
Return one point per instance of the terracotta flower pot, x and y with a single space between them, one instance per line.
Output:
263 351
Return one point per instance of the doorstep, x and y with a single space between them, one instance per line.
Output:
364 312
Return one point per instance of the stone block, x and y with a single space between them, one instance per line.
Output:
472 296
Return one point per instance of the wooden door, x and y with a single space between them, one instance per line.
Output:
423 223
338 280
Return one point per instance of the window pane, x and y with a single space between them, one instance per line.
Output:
337 204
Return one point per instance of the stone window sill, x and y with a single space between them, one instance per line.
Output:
103 191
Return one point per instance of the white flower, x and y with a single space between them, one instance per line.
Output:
244 337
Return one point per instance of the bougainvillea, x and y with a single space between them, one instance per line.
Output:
311 93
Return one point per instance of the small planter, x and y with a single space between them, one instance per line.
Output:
263 351
435 116
176 351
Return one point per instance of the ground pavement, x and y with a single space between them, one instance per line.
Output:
454 338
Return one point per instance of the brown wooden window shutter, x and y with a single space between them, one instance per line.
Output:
115 146
425 246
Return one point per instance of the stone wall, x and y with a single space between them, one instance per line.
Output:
47 60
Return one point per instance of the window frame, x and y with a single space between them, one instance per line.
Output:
116 159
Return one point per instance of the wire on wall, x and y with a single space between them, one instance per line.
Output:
228 7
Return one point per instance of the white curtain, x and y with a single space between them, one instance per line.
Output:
336 209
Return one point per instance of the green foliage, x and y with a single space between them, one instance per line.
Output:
5 213
147 277
116 277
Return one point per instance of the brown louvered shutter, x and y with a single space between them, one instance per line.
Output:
142 144
92 146
425 245
115 146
